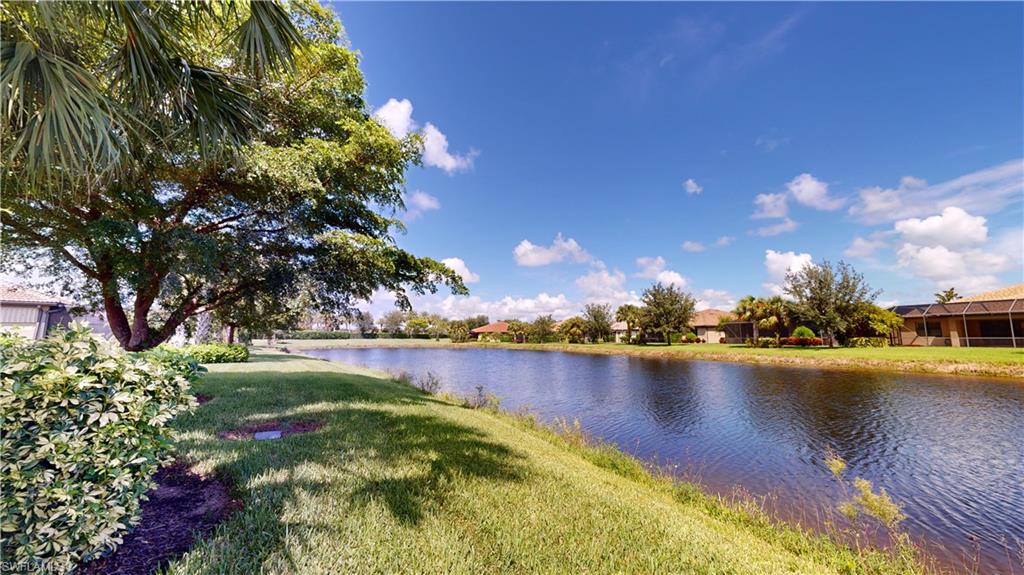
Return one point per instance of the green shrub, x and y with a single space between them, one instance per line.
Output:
85 426
803 332
868 342
765 342
217 352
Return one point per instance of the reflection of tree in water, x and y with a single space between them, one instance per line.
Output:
816 410
668 392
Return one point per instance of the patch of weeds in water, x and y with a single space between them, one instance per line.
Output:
429 383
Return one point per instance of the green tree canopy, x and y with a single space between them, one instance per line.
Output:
667 310
393 321
829 296
261 170
573 329
542 328
518 330
599 321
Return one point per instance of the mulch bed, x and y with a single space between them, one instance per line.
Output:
285 427
182 508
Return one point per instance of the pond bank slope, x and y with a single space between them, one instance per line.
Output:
398 481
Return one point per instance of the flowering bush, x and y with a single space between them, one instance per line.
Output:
217 352
804 341
84 428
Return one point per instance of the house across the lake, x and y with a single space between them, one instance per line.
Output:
705 324
492 330
990 319
31 313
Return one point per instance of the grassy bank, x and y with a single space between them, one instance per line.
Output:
398 481
986 361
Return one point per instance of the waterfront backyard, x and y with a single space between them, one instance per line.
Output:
396 480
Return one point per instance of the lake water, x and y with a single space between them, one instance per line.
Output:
950 450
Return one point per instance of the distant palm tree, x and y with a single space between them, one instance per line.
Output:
747 310
946 296
87 85
630 314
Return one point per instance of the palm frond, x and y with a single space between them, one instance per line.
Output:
57 118
219 113
267 38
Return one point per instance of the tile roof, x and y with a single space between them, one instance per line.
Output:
496 327
709 317
1008 292
11 293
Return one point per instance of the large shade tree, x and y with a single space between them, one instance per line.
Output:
667 310
830 296
169 159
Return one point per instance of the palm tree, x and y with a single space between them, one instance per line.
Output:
87 86
630 314
773 314
747 310
946 296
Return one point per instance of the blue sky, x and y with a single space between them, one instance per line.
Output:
578 152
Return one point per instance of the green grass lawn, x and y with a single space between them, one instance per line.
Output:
399 481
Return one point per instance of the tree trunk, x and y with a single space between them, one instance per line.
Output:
231 334
668 338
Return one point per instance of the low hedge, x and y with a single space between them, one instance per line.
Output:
868 342
217 352
84 428
804 341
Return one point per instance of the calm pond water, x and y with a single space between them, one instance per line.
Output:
950 450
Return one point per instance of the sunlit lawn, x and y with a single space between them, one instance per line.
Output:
398 481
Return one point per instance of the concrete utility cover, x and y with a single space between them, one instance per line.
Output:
265 435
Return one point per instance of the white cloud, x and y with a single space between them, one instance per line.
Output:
954 227
460 267
532 255
418 203
507 307
969 272
770 206
786 225
769 144
863 247
602 286
982 192
813 192
693 247
714 298
455 307
435 152
396 116
778 264
654 268
724 241
692 187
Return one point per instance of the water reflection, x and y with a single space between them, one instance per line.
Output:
951 450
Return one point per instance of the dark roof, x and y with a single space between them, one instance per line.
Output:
960 308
